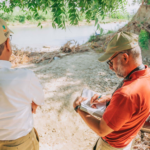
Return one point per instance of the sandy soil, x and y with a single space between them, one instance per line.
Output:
58 125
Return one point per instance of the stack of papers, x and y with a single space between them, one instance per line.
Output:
85 105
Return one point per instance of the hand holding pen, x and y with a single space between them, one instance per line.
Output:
99 99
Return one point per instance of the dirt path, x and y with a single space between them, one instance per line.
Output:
58 125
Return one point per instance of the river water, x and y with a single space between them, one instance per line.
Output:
36 37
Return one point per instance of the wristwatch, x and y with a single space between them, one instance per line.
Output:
76 108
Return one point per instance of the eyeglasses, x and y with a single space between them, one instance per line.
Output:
10 37
109 62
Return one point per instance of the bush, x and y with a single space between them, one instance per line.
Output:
40 17
6 17
120 15
92 37
110 31
96 36
144 38
29 17
20 18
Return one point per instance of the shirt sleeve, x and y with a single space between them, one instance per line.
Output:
118 112
36 90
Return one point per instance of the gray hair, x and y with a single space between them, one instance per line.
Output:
134 52
2 48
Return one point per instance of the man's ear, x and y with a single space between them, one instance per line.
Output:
125 58
8 45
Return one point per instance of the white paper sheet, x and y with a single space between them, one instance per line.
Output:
85 106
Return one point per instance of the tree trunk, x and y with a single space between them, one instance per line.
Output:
141 20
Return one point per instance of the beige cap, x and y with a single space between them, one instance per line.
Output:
4 31
120 42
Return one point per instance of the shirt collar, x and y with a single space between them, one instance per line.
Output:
138 74
141 67
5 64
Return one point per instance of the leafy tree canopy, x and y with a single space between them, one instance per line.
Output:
66 10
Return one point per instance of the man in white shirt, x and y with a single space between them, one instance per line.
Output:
20 94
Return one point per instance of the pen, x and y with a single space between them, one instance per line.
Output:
97 99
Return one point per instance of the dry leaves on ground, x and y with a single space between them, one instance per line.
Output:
22 57
73 47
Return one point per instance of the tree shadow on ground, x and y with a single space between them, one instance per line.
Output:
64 79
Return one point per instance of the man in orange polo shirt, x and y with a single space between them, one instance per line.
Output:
129 106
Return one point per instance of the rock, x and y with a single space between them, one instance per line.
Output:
144 59
56 58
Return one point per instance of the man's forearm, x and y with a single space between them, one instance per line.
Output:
91 121
98 126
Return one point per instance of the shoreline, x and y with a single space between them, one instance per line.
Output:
48 23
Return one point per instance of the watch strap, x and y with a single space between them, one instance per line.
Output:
76 108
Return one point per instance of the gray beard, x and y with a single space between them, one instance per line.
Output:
120 72
119 75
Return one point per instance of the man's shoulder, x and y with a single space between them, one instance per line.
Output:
135 89
22 70
17 73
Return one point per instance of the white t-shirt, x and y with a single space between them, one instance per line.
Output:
18 88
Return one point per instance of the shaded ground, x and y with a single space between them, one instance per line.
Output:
58 125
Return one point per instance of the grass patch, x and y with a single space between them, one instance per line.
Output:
94 37
110 31
120 15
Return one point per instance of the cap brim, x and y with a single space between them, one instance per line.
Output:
105 57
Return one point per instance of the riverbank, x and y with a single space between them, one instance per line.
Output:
48 23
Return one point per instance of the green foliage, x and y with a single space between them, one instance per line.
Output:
65 10
20 18
23 16
81 16
120 15
110 31
148 2
6 17
101 32
40 17
144 38
29 17
92 38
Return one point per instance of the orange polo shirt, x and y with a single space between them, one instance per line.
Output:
128 109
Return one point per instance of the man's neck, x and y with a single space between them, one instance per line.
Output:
132 69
